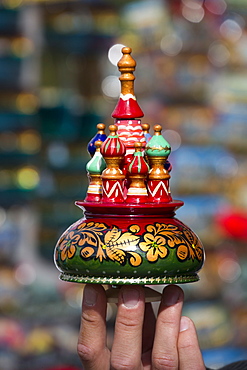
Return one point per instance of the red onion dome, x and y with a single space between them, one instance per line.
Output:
138 164
113 146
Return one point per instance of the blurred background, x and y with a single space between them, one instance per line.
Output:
58 80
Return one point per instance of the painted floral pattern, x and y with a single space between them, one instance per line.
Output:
96 240
159 237
67 247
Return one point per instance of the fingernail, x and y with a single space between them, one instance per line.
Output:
130 297
89 296
171 296
184 323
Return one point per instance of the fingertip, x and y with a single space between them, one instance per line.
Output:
130 296
185 323
92 294
171 295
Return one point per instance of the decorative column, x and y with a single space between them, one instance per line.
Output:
157 151
113 151
137 172
94 168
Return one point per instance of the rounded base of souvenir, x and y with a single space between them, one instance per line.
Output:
121 244
128 280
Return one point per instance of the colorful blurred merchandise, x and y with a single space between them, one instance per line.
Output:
212 320
217 357
233 224
54 67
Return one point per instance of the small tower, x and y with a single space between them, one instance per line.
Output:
113 151
94 168
137 171
127 106
127 110
99 136
157 152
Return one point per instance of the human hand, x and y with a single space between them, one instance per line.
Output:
141 342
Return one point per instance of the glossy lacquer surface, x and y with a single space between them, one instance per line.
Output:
124 247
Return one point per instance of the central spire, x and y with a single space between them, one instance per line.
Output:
127 106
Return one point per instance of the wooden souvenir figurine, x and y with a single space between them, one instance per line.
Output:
130 234
95 167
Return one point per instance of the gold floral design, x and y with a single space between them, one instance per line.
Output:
114 245
194 245
67 247
91 234
118 246
160 236
96 240
154 245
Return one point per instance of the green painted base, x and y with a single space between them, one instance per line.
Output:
130 280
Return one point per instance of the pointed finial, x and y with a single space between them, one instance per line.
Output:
157 130
98 144
101 128
146 128
126 66
127 106
113 130
138 147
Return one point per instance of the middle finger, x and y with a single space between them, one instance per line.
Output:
165 353
127 345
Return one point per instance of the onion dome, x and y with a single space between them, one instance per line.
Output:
138 164
127 106
158 146
113 146
99 136
97 163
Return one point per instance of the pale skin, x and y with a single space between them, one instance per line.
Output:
141 341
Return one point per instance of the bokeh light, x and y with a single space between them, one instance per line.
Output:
193 11
229 270
173 138
226 166
231 30
27 178
171 45
25 274
115 54
111 86
58 154
27 103
218 54
217 7
22 47
12 4
30 141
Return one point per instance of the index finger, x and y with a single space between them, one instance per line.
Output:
92 336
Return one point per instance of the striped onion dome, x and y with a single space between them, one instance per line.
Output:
138 164
113 146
